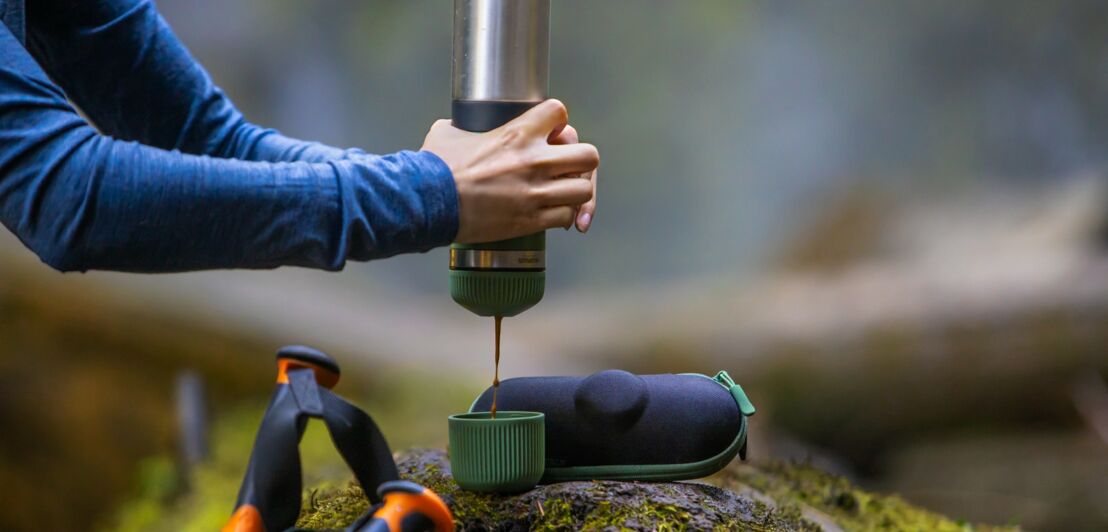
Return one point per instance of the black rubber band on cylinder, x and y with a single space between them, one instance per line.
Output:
486 115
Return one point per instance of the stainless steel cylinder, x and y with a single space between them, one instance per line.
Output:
501 50
497 259
501 60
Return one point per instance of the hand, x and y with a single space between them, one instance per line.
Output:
528 175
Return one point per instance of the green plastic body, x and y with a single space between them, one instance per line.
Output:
502 455
499 292
496 292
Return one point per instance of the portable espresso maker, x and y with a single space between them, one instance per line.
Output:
501 56
612 425
500 71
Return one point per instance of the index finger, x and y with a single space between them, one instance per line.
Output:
567 135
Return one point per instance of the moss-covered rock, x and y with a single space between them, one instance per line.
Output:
742 497
758 496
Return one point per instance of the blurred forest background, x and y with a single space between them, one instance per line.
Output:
889 221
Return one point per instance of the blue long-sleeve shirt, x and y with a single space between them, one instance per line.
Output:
176 179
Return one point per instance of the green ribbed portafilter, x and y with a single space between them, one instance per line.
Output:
481 282
500 70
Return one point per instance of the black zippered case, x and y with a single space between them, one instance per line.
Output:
614 425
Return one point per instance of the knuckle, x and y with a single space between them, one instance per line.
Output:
533 220
525 159
535 196
592 155
541 163
567 217
570 133
586 190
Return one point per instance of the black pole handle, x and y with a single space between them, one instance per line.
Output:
269 499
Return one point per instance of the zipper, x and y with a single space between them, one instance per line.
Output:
745 406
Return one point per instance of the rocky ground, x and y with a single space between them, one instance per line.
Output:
770 496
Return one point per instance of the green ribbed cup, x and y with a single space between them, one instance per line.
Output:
502 455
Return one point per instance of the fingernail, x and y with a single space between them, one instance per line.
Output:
583 221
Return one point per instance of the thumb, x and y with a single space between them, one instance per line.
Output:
545 117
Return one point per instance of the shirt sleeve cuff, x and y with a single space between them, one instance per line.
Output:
434 182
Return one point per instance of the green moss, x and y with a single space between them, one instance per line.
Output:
327 507
555 514
798 487
662 517
796 498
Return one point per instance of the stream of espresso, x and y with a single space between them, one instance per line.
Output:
496 372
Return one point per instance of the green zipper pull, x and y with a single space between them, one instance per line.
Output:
745 406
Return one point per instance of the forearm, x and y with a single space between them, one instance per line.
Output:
113 205
85 201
